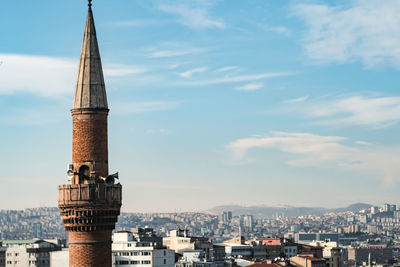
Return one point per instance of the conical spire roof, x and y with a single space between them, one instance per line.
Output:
90 92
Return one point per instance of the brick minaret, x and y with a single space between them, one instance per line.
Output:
90 205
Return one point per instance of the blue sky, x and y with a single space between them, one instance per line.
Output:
212 102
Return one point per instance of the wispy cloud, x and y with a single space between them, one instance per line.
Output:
189 73
354 110
296 100
227 68
193 14
137 23
176 65
234 79
125 108
34 116
173 186
325 151
360 30
250 87
117 70
162 131
277 29
48 76
176 52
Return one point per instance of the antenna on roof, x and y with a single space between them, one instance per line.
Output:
90 3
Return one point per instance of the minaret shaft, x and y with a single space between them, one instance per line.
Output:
89 144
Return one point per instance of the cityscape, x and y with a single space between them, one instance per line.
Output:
190 122
357 235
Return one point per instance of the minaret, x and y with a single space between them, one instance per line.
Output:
90 205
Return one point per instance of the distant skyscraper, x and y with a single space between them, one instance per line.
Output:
91 204
229 215
386 207
393 207
374 210
37 230
248 222
225 217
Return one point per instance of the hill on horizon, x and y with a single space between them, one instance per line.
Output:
289 211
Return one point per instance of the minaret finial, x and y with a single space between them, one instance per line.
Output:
90 3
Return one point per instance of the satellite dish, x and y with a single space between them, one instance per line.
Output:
70 173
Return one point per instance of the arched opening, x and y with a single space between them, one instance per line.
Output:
84 173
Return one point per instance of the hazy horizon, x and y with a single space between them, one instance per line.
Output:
177 210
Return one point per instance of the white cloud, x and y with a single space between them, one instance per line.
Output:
297 100
35 116
361 143
124 108
250 87
117 70
234 79
277 29
328 151
366 31
189 73
193 14
48 76
173 186
354 110
227 68
41 75
176 65
161 131
174 52
137 23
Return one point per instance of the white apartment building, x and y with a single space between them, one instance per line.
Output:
196 258
180 240
26 253
59 258
130 252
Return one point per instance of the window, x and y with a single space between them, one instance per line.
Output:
146 262
129 245
165 253
135 262
165 261
135 253
146 253
123 262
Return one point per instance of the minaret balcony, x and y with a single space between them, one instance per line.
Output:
89 207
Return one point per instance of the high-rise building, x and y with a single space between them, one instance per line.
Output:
37 230
374 210
91 204
393 207
248 222
386 207
225 217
